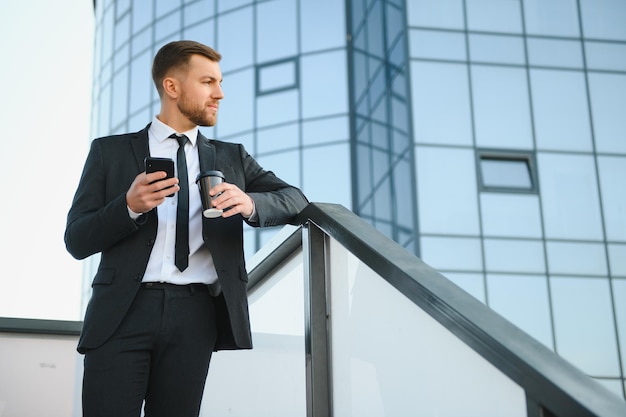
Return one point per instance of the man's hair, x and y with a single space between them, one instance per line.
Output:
176 55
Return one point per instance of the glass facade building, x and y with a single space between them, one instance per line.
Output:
488 137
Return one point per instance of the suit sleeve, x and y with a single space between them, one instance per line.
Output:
98 217
276 202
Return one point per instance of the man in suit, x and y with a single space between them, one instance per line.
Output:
153 322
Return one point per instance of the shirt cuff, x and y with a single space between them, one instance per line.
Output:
132 214
254 218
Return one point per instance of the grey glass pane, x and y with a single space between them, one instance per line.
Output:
523 300
452 254
290 172
321 75
572 258
494 16
235 40
277 76
606 56
497 49
317 175
203 32
474 284
554 53
506 173
167 28
570 200
608 101
142 14
617 259
276 30
612 171
277 108
561 110
619 294
501 107
604 19
446 184
510 215
332 13
142 41
278 138
198 11
584 327
437 45
122 31
141 84
551 18
507 255
440 14
119 109
441 103
166 6
236 112
325 130
225 5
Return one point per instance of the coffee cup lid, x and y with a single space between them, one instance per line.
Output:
210 174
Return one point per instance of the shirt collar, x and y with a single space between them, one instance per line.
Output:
161 131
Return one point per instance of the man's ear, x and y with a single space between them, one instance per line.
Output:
171 87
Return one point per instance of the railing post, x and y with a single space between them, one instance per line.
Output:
317 347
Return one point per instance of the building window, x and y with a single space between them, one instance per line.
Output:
507 171
277 76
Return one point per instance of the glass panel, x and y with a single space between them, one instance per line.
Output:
319 76
504 255
142 14
551 18
198 11
332 13
561 110
141 84
570 202
278 138
523 300
554 53
447 14
612 171
608 99
287 172
497 49
604 19
473 284
326 165
277 321
237 108
440 93
168 28
325 130
584 327
446 184
510 215
456 254
166 6
122 31
277 76
235 39
617 260
605 56
506 173
203 32
447 377
576 258
494 16
276 30
501 107
619 294
225 5
277 108
120 97
437 45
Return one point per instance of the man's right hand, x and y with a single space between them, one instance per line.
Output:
149 190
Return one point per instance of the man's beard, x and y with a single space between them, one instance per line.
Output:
195 113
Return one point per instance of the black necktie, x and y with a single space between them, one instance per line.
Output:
182 213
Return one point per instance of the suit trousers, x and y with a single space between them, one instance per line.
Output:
158 357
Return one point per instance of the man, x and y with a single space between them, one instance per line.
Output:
152 321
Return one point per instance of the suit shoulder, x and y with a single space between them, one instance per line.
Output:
119 138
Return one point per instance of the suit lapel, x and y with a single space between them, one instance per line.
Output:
206 153
141 149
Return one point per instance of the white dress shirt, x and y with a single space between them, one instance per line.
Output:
161 266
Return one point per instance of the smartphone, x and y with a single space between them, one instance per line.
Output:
160 164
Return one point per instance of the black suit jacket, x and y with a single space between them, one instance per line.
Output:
98 222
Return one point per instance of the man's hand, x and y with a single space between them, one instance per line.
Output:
145 194
233 199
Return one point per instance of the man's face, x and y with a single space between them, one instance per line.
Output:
201 91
